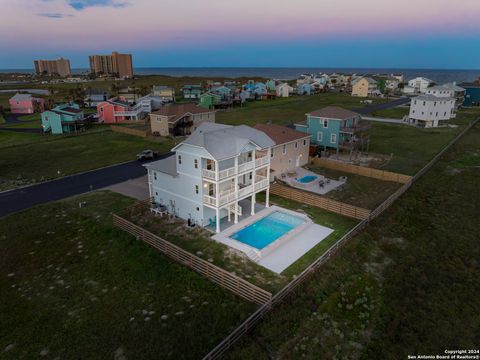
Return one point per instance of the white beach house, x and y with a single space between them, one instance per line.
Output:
431 111
210 172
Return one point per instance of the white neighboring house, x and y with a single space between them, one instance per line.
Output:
418 85
448 90
283 90
431 111
211 172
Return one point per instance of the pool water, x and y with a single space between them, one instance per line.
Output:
307 178
268 229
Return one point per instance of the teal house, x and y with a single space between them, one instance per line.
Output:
223 91
208 100
63 119
191 91
271 85
334 128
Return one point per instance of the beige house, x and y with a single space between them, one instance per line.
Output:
364 87
179 119
165 93
291 148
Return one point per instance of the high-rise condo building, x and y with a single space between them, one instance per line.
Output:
53 67
115 64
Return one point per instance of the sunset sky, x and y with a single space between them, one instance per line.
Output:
287 33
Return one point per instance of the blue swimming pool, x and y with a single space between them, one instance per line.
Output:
307 178
268 229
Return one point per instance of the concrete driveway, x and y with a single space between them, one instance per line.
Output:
135 188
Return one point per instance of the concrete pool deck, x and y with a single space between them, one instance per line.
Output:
285 250
312 186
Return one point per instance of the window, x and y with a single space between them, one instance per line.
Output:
179 159
196 189
155 175
445 114
296 144
424 103
333 138
271 153
284 150
195 162
250 176
436 114
156 193
413 111
304 142
198 209
319 136
289 161
325 123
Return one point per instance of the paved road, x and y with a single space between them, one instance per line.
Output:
387 105
20 199
13 119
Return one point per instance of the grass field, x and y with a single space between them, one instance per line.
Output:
75 287
198 242
413 147
50 157
408 284
359 190
286 110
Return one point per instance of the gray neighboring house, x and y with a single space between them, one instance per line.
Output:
210 172
95 97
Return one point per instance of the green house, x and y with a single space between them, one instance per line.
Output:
63 119
335 128
209 100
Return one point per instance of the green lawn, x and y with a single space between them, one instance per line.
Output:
286 110
361 191
198 242
413 147
74 286
25 124
39 158
408 284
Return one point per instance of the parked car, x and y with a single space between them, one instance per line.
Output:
147 155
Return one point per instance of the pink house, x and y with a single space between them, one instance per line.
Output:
110 111
26 104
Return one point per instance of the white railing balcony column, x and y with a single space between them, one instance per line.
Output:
235 185
210 200
261 161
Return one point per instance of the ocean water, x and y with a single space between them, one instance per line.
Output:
439 76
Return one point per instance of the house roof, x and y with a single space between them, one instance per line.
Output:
167 165
178 110
21 97
70 110
281 134
432 98
225 141
334 112
448 86
117 101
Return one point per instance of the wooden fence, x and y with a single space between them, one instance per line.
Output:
255 318
225 279
130 131
306 197
361 170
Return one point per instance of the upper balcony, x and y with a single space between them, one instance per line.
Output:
235 170
229 195
357 128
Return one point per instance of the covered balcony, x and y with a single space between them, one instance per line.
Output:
235 166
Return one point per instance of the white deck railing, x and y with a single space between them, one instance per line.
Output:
261 161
